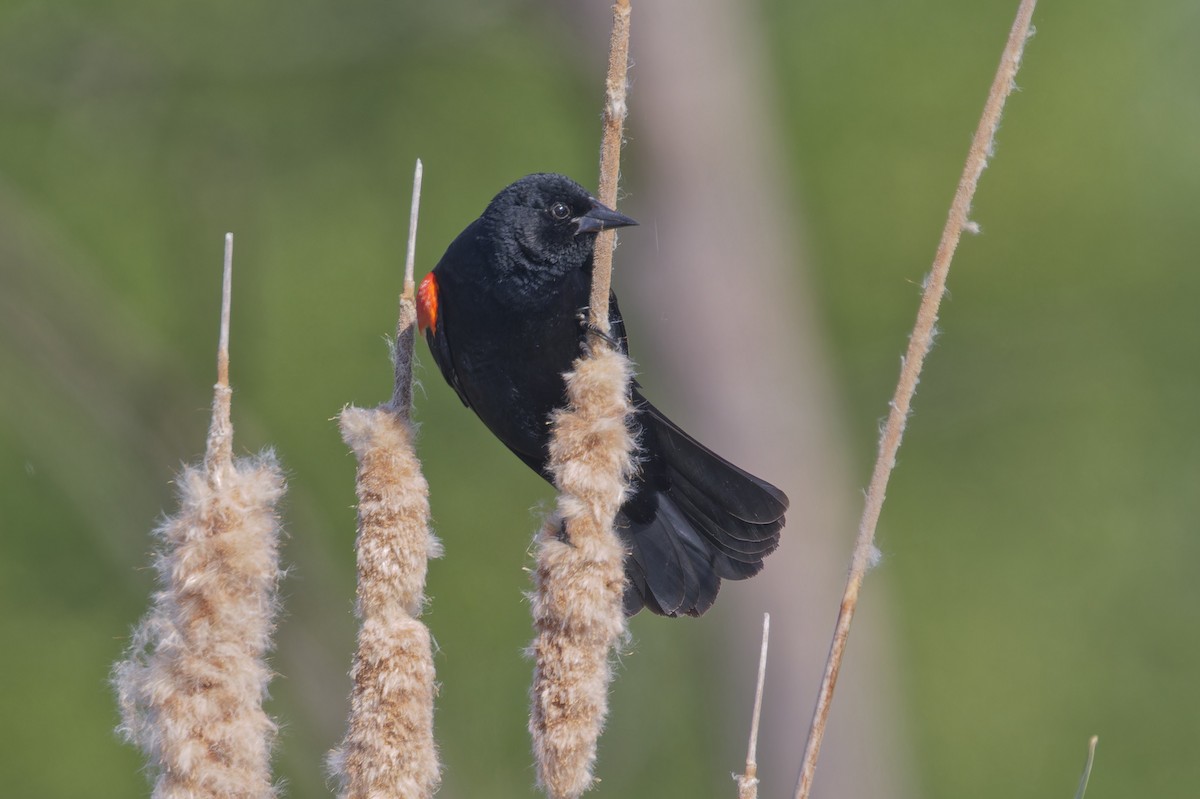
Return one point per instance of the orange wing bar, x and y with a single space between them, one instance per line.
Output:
427 304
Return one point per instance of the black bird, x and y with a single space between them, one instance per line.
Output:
503 312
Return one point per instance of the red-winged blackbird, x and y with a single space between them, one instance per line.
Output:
503 314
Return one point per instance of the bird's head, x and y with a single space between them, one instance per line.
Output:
549 222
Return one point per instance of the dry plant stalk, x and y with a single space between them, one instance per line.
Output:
615 111
388 751
194 679
748 781
919 343
1087 767
579 581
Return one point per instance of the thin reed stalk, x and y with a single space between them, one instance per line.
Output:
1081 791
579 581
195 676
389 750
919 343
747 781
615 111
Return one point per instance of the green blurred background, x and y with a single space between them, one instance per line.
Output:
1041 531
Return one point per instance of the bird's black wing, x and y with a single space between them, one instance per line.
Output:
440 347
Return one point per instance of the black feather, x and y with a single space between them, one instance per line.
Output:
512 289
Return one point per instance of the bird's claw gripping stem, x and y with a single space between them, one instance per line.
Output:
594 331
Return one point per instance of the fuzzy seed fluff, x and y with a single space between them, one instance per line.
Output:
194 679
388 751
580 575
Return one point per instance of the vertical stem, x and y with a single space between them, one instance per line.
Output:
406 323
748 782
218 455
918 346
226 298
579 583
752 749
1087 767
411 256
615 110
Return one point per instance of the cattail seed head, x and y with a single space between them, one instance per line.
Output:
579 581
195 676
389 751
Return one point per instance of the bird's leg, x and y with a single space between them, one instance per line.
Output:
585 322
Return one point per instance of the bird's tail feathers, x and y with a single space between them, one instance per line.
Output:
710 520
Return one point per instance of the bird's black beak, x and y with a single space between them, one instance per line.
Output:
601 217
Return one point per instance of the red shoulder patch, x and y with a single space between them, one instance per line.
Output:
427 304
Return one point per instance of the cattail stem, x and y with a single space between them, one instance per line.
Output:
192 684
579 583
389 751
748 781
406 323
219 450
226 301
615 111
411 251
918 347
1081 791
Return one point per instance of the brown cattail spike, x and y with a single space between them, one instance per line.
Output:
194 679
580 576
388 751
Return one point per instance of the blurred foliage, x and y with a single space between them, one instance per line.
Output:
1042 526
1041 529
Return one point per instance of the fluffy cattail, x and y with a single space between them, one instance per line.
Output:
579 583
580 576
192 685
388 751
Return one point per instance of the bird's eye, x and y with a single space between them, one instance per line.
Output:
560 210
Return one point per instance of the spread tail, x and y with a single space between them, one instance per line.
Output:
694 520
